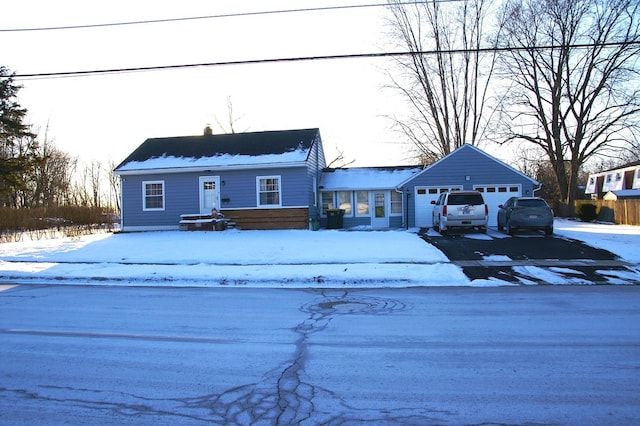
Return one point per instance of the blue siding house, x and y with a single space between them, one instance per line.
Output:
259 180
466 168
369 196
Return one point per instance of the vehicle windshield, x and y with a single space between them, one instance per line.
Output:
531 203
465 199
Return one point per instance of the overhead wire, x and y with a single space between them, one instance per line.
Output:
219 16
63 74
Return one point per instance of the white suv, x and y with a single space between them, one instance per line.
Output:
460 209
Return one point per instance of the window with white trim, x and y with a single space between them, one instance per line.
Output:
327 202
362 203
344 202
153 195
268 189
396 202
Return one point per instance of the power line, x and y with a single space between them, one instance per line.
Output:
227 15
63 74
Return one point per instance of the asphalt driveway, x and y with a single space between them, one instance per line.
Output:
522 257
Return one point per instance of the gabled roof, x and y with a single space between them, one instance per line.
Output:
225 150
365 178
478 151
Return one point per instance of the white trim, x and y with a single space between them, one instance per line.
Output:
355 202
478 150
216 181
258 192
209 169
144 195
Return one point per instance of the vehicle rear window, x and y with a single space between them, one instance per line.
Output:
465 199
531 203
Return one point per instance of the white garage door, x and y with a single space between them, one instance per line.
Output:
494 195
424 195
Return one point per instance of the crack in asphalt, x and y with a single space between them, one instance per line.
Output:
283 396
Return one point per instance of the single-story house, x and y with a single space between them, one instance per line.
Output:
620 178
466 168
259 180
369 196
279 180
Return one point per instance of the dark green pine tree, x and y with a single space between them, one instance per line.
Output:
18 145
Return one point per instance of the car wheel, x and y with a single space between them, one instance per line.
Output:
443 229
548 231
510 230
436 227
500 227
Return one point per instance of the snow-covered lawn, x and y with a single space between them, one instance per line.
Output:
261 258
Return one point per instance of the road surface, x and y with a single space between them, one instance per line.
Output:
508 355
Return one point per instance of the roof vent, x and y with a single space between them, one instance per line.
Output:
207 130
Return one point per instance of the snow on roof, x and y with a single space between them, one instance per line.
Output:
223 160
351 179
225 150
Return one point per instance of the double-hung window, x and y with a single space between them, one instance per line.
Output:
153 195
269 189
396 202
327 202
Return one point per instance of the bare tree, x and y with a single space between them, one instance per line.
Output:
231 119
114 186
50 182
446 78
573 67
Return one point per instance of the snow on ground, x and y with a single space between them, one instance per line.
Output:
287 258
623 240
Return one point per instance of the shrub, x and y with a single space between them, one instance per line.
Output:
586 212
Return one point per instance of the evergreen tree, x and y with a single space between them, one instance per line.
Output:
18 145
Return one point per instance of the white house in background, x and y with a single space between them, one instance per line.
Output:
622 178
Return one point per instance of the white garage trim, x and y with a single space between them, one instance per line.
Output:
494 195
423 197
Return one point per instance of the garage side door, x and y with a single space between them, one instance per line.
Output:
494 195
423 197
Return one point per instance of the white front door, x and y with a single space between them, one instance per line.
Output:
209 193
380 214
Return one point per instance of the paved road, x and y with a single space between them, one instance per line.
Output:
509 355
518 259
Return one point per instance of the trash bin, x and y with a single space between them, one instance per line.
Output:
334 218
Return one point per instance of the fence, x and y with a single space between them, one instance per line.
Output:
622 212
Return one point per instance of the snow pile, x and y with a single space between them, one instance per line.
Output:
287 258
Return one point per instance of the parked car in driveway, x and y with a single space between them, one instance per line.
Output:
531 213
460 209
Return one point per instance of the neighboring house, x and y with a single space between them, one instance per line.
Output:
625 177
466 168
369 196
259 180
623 194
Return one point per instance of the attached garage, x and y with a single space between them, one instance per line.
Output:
423 197
467 168
494 195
